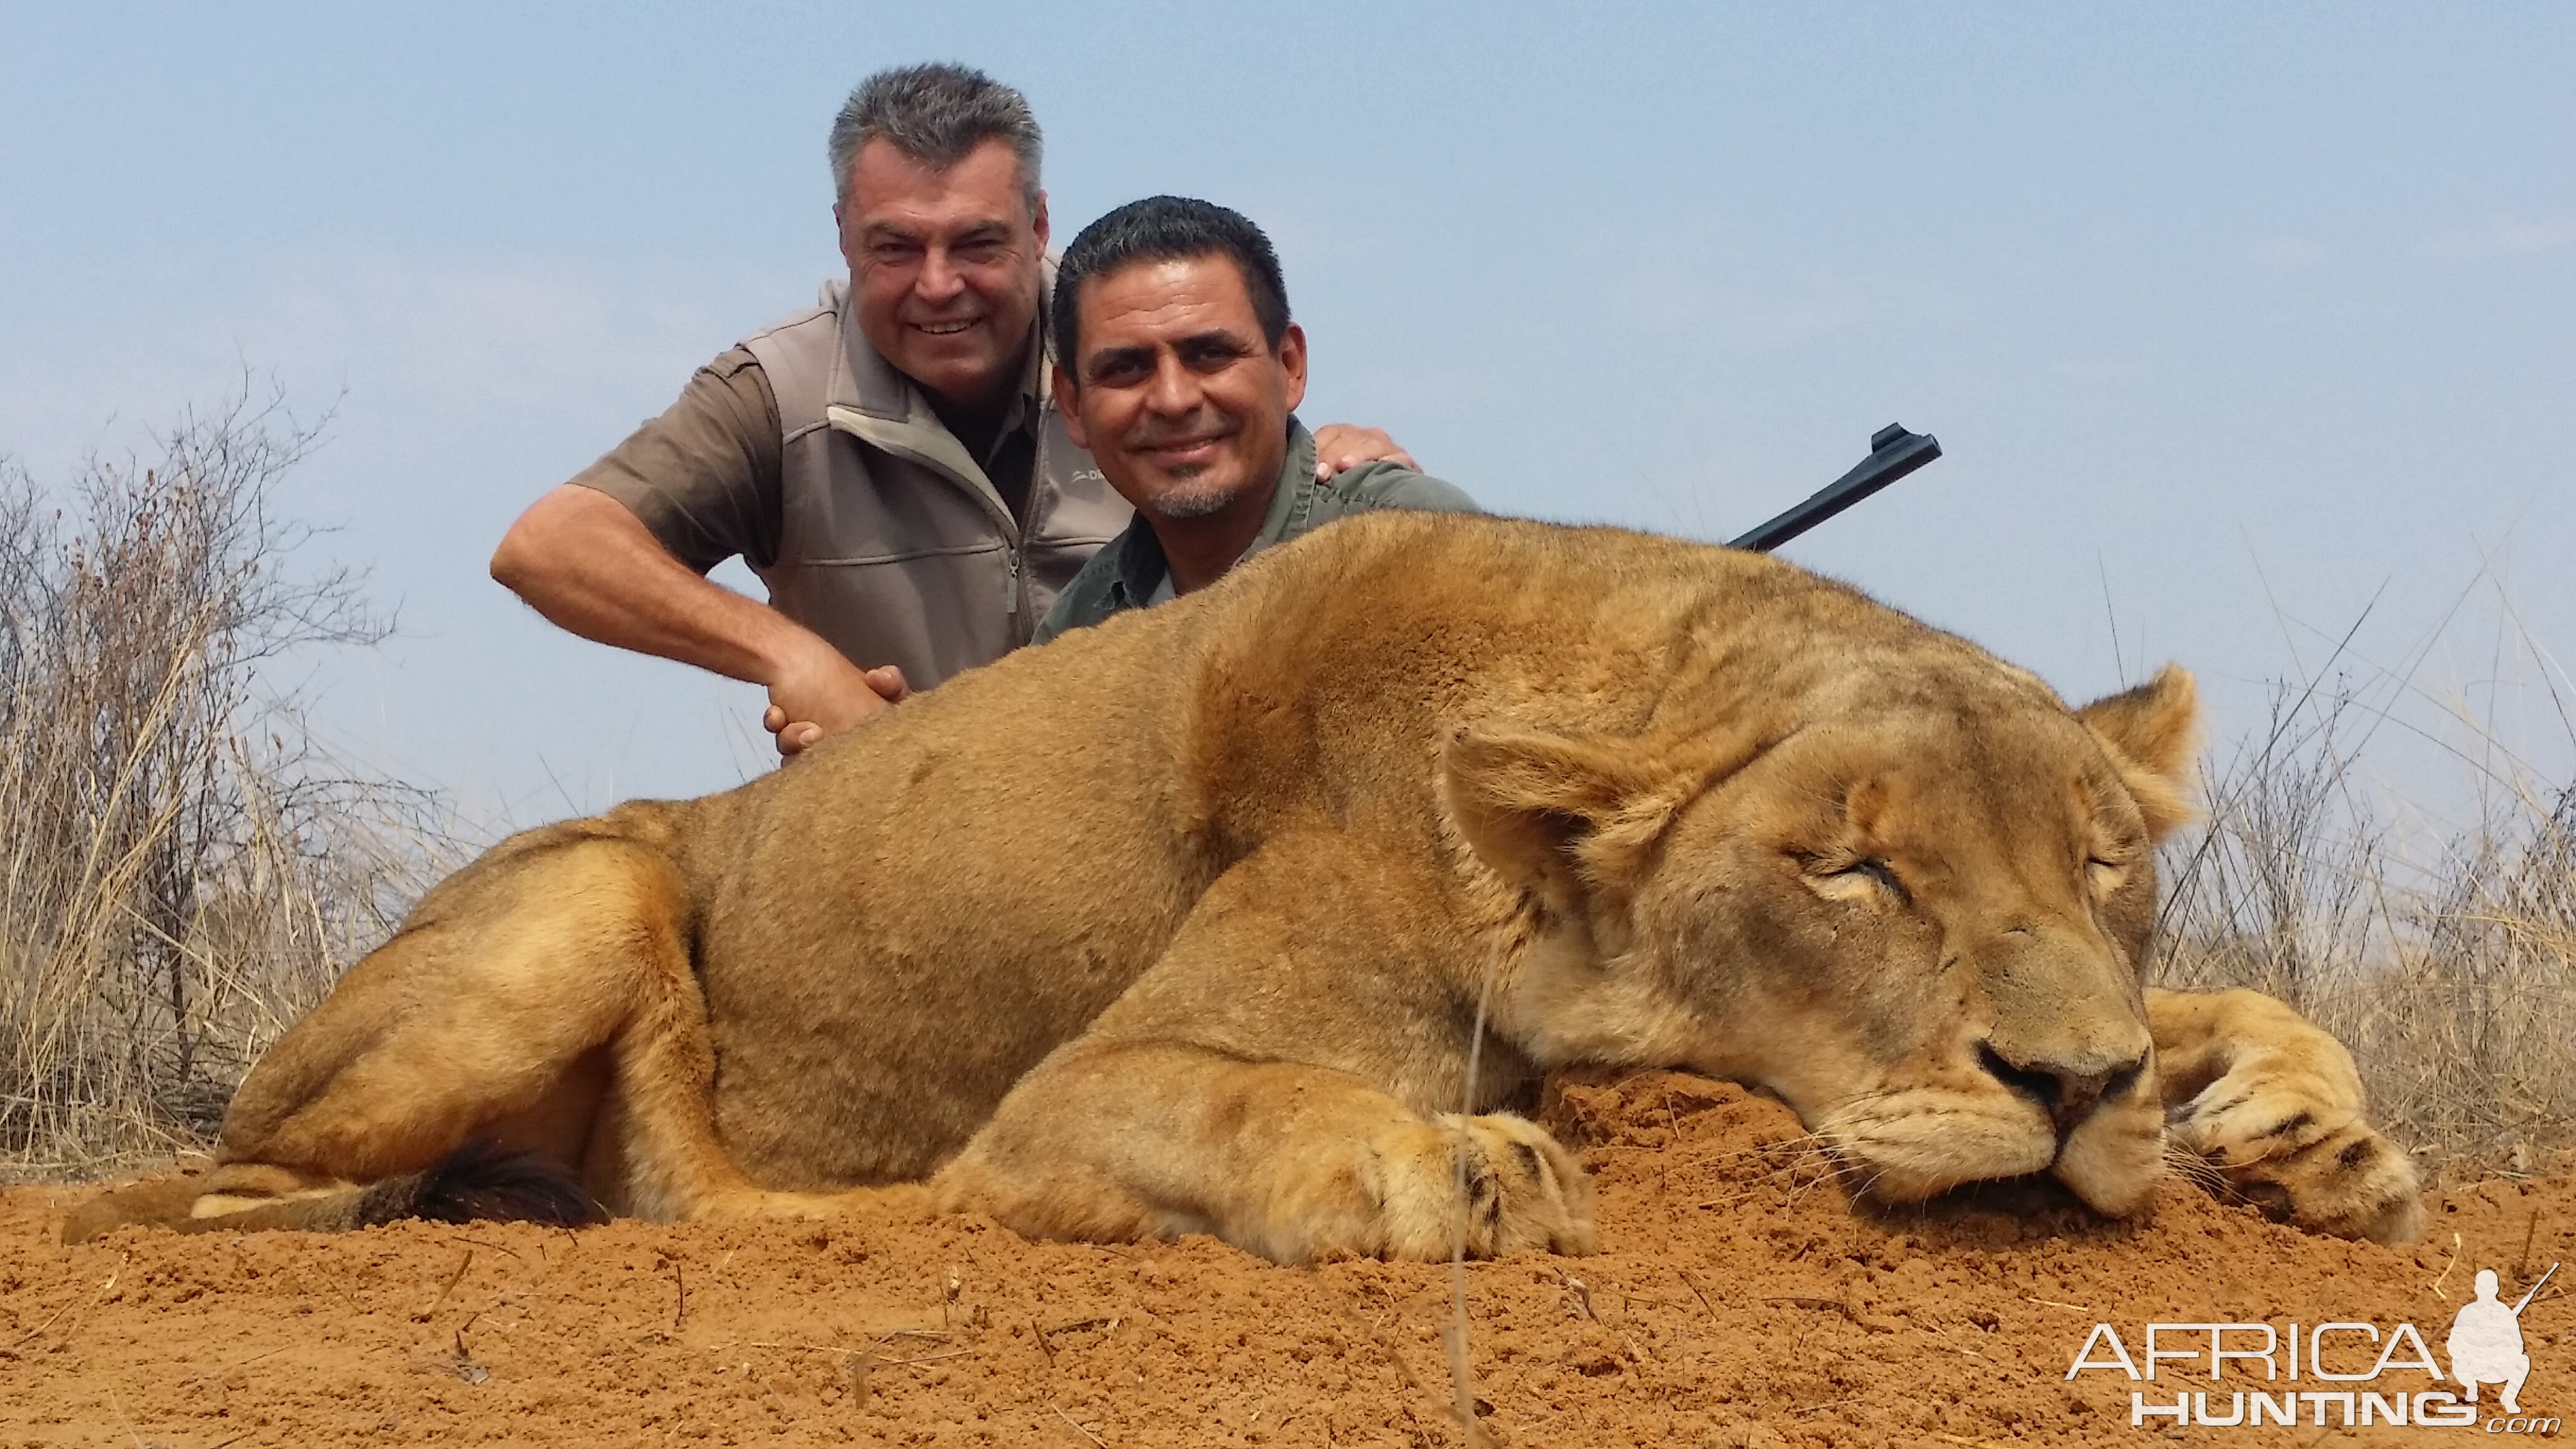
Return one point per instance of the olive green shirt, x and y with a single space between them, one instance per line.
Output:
1130 571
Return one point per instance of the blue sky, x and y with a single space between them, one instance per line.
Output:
2237 322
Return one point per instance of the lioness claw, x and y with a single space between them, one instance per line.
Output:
1494 1185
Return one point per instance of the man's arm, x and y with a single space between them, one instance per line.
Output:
619 554
589 565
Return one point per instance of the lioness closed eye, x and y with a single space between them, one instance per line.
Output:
1178 925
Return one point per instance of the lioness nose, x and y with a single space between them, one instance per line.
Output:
2068 1094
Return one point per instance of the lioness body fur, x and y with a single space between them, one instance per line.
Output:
1178 924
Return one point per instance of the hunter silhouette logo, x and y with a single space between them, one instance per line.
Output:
2486 1341
2364 1374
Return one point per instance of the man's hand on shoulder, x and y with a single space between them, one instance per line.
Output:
1340 447
819 693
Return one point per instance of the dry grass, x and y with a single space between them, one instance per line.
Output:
2447 962
181 873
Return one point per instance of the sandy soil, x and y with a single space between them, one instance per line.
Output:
1738 1301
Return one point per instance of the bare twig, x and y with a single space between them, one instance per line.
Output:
103 1289
1077 1428
1462 1380
452 1280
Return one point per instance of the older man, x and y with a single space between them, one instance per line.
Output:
890 462
1178 367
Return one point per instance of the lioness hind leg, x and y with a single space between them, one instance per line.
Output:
160 1200
557 960
480 1180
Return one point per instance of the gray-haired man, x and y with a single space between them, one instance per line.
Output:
890 461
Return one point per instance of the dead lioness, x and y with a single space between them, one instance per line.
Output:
1180 924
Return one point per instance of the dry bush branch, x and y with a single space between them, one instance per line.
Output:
182 872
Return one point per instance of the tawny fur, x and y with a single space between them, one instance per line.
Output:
1181 924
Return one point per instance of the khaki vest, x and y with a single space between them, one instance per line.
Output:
892 543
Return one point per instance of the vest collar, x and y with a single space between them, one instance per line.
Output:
868 399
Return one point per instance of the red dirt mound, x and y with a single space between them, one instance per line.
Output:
1738 1300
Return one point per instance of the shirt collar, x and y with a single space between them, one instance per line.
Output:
1294 498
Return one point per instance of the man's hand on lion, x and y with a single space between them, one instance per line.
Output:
824 694
821 693
1340 447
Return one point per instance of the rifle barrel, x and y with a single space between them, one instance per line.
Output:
1893 453
2526 1297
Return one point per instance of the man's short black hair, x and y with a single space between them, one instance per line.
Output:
1162 229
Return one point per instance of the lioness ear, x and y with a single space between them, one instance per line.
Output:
1571 819
2153 735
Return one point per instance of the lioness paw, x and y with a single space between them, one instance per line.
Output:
1519 1190
2284 1128
2350 1182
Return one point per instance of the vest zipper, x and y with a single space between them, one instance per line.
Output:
1014 581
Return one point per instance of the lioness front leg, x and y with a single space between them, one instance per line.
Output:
2275 1103
1291 1162
1279 1078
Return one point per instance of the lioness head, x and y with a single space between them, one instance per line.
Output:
1920 917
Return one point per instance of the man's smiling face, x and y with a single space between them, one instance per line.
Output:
944 264
1179 397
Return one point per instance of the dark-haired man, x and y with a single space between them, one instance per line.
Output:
1179 368
889 462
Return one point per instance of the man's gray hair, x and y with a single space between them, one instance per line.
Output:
935 114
